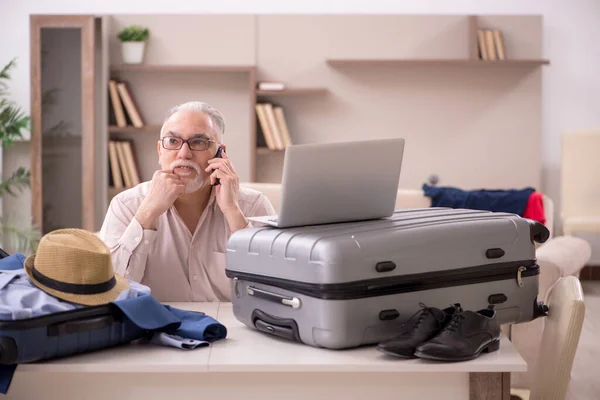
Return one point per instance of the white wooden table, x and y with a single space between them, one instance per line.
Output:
252 365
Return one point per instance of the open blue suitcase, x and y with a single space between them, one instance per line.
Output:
64 333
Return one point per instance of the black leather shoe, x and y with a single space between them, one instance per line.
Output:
464 338
419 328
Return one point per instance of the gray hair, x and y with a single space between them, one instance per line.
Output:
201 107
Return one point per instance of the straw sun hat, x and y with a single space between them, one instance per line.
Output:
76 266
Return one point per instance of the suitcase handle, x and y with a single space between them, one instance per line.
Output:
293 302
286 328
81 325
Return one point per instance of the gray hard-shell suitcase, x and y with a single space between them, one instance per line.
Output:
350 284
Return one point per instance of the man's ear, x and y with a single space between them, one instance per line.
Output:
224 146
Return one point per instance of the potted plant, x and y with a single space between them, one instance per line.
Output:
12 122
133 41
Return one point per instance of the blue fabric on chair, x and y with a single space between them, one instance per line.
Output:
510 200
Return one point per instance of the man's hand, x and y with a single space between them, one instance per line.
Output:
229 188
227 191
164 190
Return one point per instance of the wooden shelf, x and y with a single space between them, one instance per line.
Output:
132 129
261 151
291 92
181 68
434 62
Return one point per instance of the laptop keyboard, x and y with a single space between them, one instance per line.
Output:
273 219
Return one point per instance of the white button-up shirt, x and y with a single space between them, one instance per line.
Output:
175 264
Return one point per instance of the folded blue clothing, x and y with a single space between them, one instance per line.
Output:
197 326
497 200
147 313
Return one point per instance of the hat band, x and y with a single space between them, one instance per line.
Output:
74 288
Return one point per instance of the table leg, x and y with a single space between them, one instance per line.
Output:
489 386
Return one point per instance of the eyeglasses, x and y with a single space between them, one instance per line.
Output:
195 144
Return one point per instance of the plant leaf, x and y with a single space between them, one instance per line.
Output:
12 119
12 122
20 178
18 239
4 72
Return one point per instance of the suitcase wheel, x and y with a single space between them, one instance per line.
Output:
540 309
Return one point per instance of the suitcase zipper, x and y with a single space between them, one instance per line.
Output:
399 284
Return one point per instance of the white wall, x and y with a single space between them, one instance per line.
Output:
571 84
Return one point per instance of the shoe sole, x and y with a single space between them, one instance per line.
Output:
488 348
390 353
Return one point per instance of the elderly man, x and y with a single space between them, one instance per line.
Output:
171 233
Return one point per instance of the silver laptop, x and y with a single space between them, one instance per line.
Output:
338 182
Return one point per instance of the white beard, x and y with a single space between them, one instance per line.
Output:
193 184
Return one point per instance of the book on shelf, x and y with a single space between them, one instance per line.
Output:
490 43
283 129
481 44
123 106
265 127
268 107
117 106
273 126
123 166
114 166
499 43
270 86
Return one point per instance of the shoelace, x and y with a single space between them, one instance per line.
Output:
425 311
455 322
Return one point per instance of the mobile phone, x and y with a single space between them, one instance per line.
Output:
218 155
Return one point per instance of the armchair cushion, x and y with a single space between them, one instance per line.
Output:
568 253
588 224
